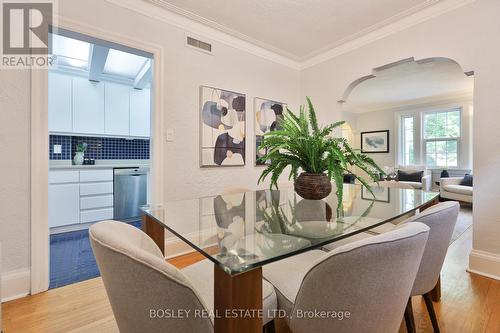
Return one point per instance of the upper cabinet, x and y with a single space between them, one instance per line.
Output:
60 115
82 107
140 102
88 106
116 109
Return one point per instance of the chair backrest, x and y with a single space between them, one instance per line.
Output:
139 281
441 220
371 279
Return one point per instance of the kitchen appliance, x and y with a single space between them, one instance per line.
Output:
129 193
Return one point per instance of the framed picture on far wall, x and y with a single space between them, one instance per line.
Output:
222 127
268 114
375 142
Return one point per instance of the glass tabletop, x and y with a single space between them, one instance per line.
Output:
242 231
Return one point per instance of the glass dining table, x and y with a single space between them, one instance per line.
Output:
241 232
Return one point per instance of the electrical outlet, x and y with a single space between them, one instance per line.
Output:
57 149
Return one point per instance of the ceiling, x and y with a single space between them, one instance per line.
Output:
297 29
415 81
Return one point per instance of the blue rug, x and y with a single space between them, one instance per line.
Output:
71 258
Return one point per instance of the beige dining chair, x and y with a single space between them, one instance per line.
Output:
441 220
141 284
369 280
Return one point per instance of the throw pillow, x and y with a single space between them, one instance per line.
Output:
410 176
467 181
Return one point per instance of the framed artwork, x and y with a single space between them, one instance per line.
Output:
222 127
268 114
382 194
375 142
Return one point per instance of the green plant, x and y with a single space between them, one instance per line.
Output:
303 145
81 147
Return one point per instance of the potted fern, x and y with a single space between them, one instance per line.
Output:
315 157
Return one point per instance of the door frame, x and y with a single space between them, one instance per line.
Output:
39 141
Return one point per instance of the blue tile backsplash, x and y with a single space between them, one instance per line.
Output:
100 148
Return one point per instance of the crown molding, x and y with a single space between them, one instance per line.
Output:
149 8
211 30
427 13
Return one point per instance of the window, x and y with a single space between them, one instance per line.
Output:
432 138
408 139
441 136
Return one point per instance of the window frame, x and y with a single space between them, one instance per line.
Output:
446 139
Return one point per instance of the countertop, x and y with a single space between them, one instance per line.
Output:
100 164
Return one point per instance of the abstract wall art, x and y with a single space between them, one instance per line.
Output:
267 117
222 127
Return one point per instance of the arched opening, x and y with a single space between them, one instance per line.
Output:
415 115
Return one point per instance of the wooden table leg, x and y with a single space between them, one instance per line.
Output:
238 301
436 292
155 231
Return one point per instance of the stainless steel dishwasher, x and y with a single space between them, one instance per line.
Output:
130 192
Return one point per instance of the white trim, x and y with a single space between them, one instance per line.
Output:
484 263
39 146
15 284
39 182
187 24
423 15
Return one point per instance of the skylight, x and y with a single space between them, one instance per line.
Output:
124 64
70 52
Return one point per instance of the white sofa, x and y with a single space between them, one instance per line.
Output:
450 188
426 183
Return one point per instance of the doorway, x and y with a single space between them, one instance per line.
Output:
99 127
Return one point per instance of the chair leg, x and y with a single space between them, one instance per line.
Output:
269 327
430 309
409 319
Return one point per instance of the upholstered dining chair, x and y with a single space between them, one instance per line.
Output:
441 220
370 279
138 281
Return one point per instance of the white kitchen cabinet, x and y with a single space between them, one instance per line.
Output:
116 109
95 215
140 108
96 175
93 202
88 106
60 108
64 204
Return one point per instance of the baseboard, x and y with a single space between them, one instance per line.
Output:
484 263
15 284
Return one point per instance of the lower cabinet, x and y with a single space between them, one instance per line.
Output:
80 196
64 204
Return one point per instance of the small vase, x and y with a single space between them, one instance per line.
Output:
78 159
313 186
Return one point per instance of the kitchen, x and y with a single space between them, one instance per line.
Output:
99 145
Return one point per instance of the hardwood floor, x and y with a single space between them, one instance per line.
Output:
470 303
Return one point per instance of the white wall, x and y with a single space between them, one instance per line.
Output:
469 36
185 70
